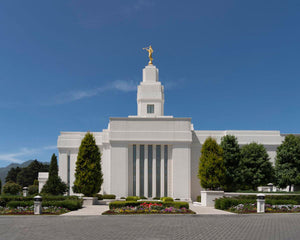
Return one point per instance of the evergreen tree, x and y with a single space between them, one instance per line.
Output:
232 157
12 174
211 165
28 174
287 163
0 186
54 184
88 175
256 168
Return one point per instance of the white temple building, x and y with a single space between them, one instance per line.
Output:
151 154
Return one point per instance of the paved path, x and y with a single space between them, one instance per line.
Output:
216 227
208 210
88 211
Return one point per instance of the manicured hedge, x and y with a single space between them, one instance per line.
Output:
120 204
5 199
105 196
14 204
167 199
69 204
132 198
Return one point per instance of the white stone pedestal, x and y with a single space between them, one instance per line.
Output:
88 201
208 197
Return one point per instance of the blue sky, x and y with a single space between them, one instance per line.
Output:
70 65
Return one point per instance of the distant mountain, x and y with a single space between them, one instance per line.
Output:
4 170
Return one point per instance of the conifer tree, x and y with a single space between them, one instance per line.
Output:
211 165
54 184
287 164
256 168
88 175
232 157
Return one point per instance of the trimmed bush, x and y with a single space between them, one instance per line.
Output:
109 196
167 199
143 197
120 204
132 198
156 198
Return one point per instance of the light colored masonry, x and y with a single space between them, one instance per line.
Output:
151 154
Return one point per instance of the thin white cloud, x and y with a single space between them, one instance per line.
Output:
119 85
17 157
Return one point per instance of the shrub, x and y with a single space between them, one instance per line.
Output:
120 204
143 197
12 188
132 198
109 196
33 190
199 198
156 198
167 199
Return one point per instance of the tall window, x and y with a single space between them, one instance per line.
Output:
142 158
150 108
166 170
158 154
134 170
150 159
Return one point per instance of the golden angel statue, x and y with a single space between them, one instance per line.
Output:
150 51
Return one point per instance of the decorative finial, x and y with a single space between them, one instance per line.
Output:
150 51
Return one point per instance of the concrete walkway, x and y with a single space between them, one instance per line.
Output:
199 210
88 211
95 210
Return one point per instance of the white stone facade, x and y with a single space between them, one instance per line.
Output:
151 154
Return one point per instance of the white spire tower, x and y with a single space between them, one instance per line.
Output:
150 94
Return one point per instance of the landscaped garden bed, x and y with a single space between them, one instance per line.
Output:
248 204
148 207
51 205
29 210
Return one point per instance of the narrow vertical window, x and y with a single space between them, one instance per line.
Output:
134 170
142 168
150 159
166 170
158 156
150 108
68 173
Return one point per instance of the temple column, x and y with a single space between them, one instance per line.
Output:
146 171
162 171
137 171
154 172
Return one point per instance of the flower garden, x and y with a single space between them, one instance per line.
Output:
163 206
